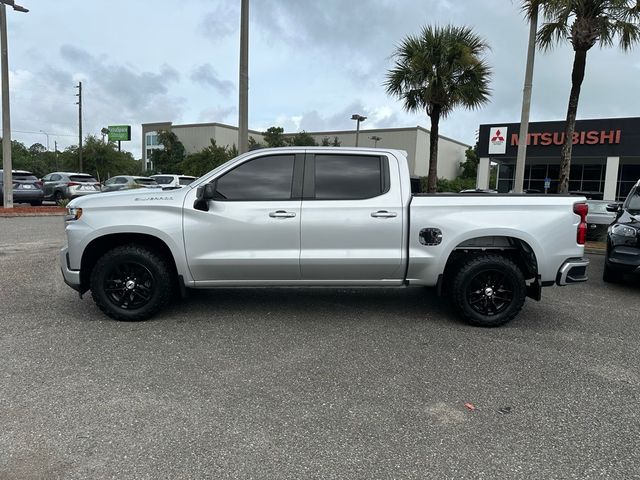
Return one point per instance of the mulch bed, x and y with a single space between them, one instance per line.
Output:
24 211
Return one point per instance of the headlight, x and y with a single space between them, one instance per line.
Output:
73 213
623 230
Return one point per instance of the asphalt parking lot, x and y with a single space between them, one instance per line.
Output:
291 383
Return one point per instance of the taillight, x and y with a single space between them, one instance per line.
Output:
72 184
581 209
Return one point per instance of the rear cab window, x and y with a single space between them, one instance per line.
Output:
349 177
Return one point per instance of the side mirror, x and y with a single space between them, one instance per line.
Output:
613 207
204 193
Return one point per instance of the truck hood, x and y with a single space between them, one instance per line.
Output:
135 197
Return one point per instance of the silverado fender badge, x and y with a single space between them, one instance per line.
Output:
149 199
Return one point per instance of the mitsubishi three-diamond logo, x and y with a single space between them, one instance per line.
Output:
498 141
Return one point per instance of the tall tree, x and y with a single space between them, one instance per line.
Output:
197 164
167 159
584 23
436 71
302 139
274 137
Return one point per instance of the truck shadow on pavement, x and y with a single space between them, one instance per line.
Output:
313 304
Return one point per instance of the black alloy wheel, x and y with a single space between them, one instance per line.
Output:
487 290
132 282
129 285
490 292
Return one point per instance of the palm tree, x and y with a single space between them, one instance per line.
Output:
584 23
436 71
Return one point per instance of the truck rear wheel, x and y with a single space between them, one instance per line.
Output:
488 290
131 283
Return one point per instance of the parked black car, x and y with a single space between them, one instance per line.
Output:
67 185
26 188
623 239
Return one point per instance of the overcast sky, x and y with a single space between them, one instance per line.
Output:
312 64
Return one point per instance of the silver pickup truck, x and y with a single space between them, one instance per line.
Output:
321 217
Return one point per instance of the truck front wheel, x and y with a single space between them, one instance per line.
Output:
131 283
488 290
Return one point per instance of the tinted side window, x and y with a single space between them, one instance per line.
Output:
265 178
348 177
55 178
120 180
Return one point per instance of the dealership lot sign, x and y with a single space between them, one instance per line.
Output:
604 137
120 133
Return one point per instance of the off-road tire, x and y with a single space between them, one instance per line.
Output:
157 269
473 270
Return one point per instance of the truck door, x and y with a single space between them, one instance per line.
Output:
352 218
252 229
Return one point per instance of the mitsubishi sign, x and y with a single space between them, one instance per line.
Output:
592 138
498 140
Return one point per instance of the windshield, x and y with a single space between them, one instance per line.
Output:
145 181
23 176
597 207
82 178
163 180
633 200
185 180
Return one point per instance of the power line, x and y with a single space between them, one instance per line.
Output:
40 133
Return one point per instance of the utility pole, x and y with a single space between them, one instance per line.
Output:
6 125
243 104
79 103
518 183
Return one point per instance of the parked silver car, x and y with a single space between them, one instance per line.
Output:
58 186
127 182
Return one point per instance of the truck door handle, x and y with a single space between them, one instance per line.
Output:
384 214
282 214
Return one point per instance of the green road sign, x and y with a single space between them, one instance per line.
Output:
119 133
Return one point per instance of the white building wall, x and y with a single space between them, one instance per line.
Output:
414 140
450 156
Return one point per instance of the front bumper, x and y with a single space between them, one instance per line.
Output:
624 259
71 277
573 270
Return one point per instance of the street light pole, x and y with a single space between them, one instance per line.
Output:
358 118
375 139
42 131
79 103
518 183
243 101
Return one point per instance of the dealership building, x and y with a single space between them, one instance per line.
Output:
605 161
413 140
